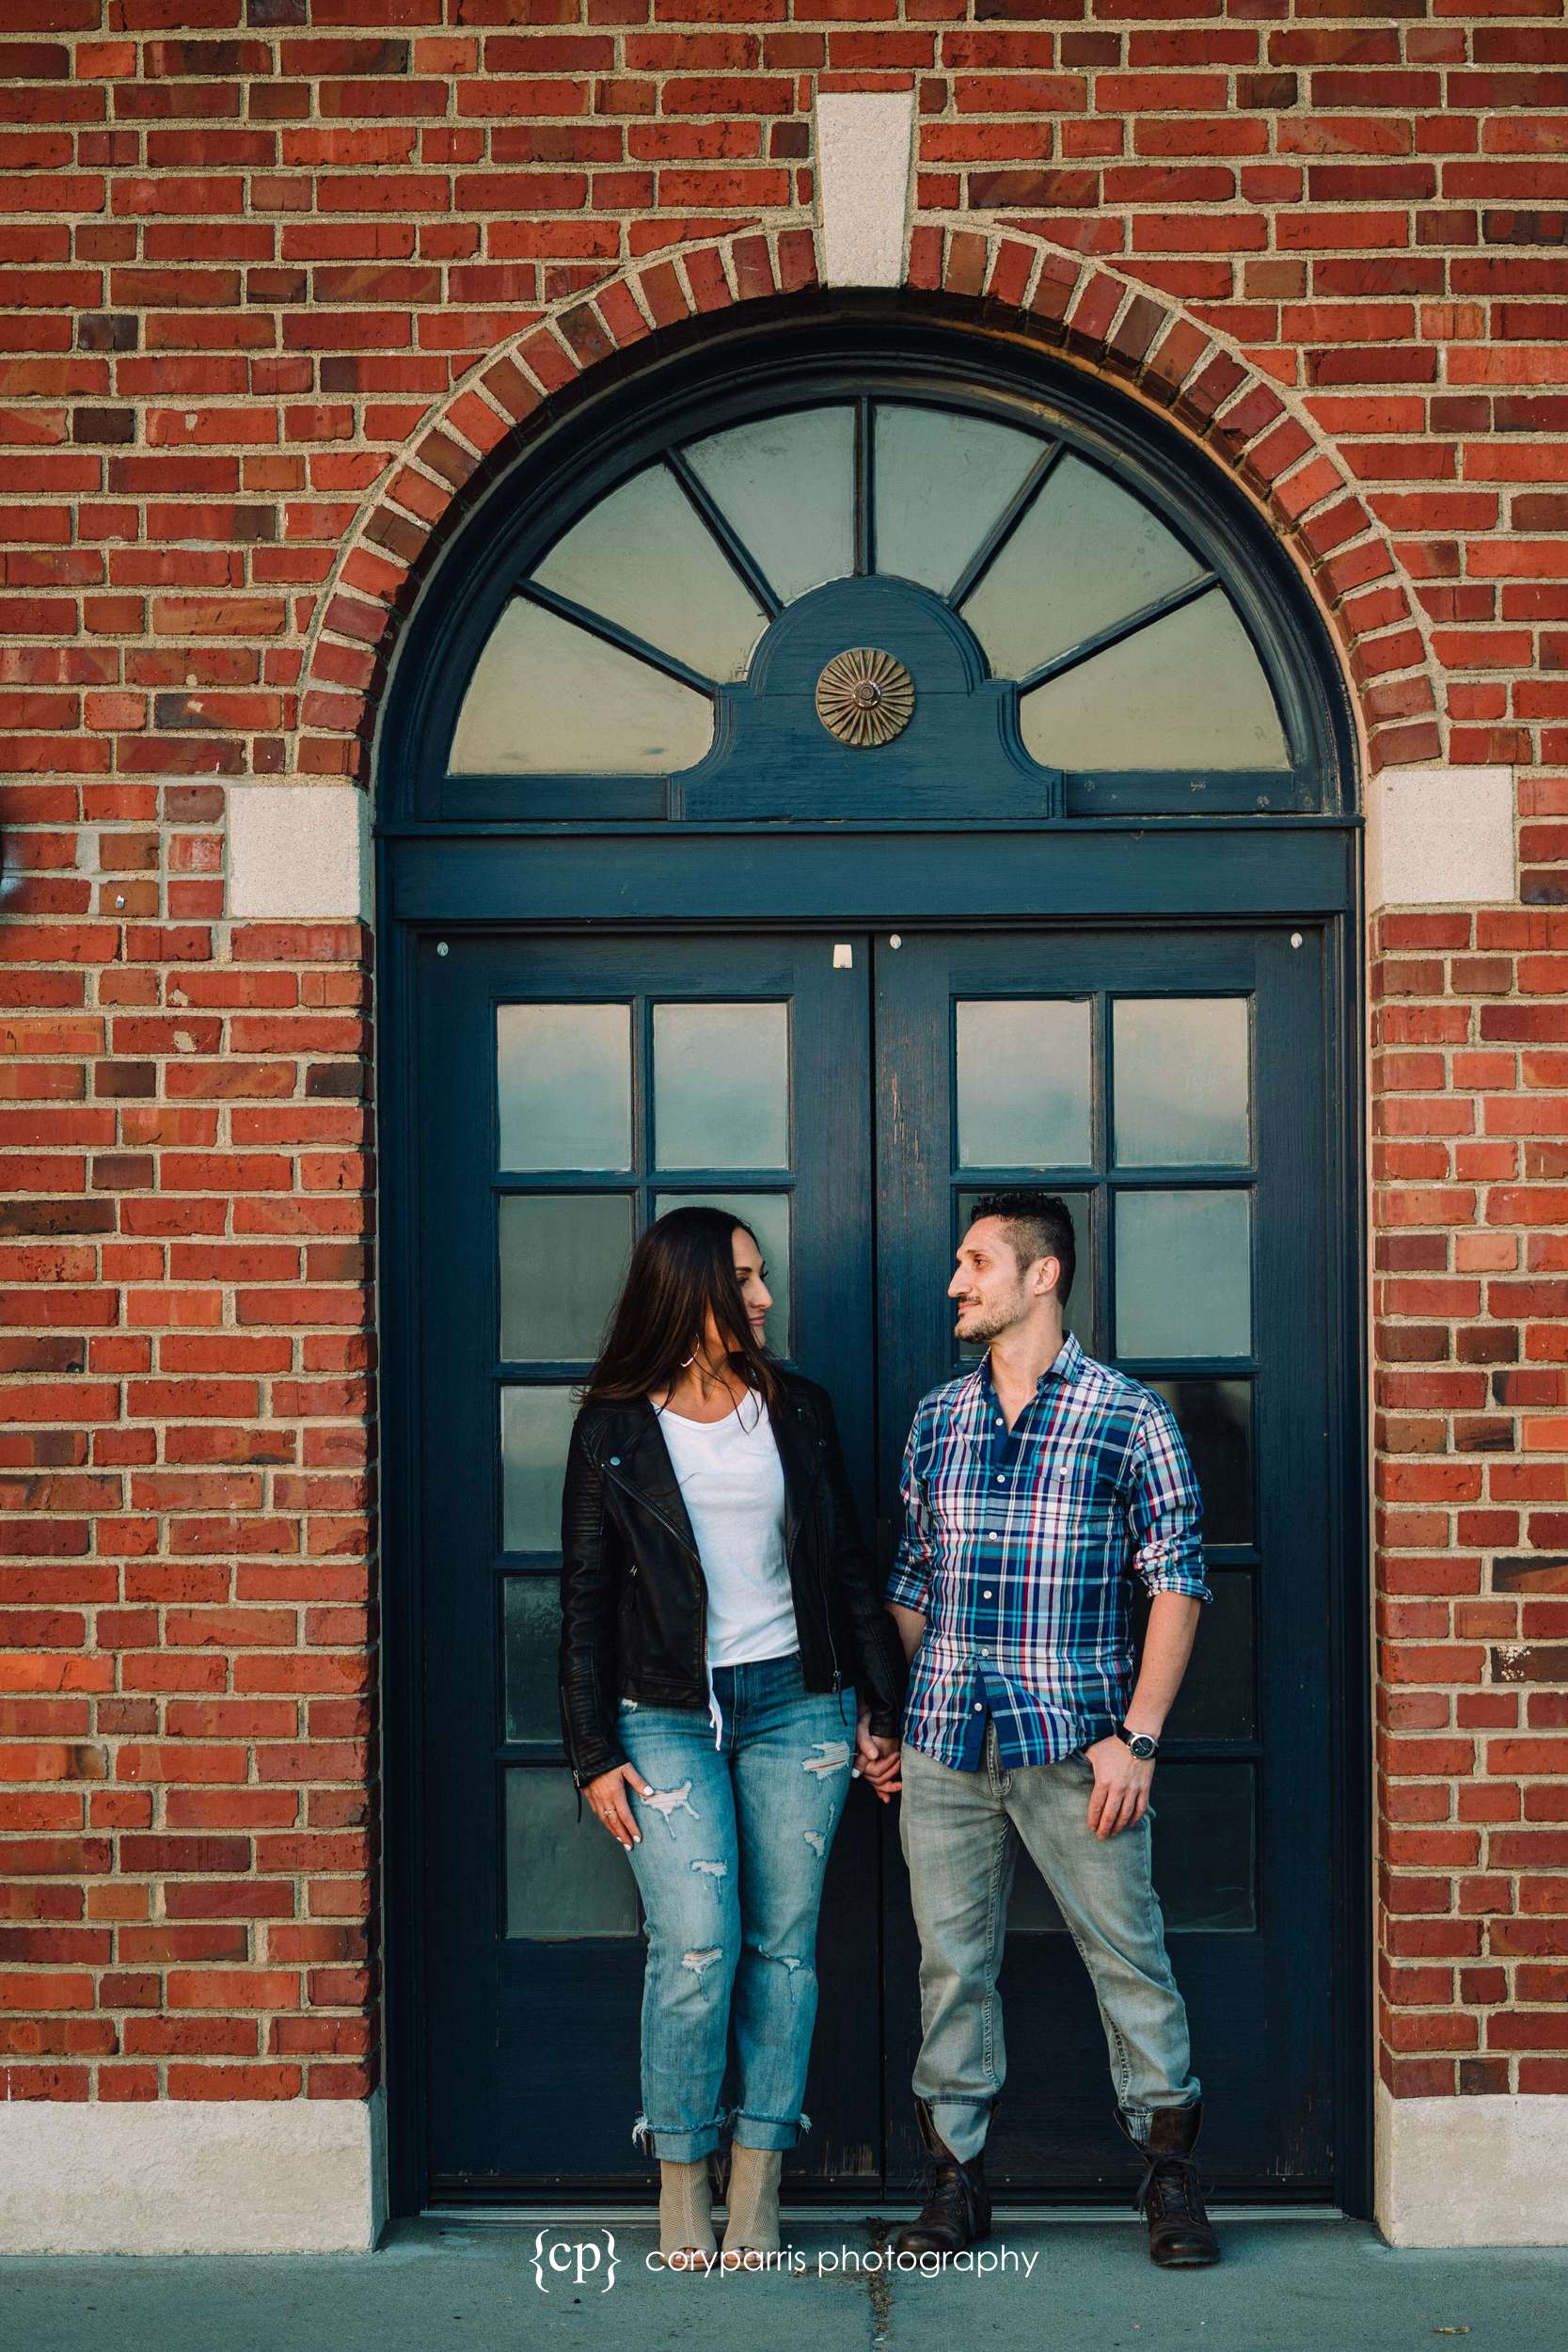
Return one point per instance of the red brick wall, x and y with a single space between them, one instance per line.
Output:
277 275
185 1573
1470 1174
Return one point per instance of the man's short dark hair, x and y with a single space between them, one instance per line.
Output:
1040 1225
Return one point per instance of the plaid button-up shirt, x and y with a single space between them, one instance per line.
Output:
1016 1545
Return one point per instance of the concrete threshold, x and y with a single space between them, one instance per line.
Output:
528 2218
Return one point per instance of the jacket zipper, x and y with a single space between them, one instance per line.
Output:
626 1488
828 1622
822 1588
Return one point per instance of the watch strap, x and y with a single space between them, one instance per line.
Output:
1122 1733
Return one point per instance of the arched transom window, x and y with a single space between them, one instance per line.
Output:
868 604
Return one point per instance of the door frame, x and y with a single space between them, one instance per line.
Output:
816 880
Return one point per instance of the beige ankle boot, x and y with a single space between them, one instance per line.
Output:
686 2236
752 2229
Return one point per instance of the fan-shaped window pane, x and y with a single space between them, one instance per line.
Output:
1086 553
941 482
547 698
1187 692
786 487
645 558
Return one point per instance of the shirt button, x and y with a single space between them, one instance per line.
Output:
1001 1478
979 1706
614 1461
986 1595
985 1653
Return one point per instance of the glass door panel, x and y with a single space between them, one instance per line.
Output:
1024 1082
563 1257
535 1425
1216 1419
564 1086
1181 1081
1183 1279
720 1085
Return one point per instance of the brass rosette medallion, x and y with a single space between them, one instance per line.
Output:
864 697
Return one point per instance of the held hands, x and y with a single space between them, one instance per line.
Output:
876 1758
1121 1786
608 1795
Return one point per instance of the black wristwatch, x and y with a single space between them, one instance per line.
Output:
1143 1743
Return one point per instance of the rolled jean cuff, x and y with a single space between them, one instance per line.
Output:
962 2124
678 2147
1138 2119
769 2131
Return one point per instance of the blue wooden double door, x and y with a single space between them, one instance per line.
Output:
850 1094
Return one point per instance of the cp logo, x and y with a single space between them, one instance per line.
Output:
573 2260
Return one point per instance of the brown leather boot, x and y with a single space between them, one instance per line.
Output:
1168 2196
956 2211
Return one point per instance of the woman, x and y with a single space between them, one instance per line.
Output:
719 1616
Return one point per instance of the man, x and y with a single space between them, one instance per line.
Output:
1027 1484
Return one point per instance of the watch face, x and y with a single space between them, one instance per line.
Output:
1143 1746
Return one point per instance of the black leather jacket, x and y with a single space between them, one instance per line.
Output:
633 1599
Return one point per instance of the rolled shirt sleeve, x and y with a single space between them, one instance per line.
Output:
910 1578
1165 1510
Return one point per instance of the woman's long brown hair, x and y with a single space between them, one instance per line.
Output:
683 1267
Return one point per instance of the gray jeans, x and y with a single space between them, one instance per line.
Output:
959 1833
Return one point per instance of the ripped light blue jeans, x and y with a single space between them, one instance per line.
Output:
733 1848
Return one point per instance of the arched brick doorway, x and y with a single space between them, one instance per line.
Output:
575 869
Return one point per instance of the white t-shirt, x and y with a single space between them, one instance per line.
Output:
732 1483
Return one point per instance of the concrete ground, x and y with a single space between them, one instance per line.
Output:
1284 2286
